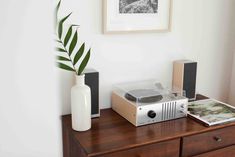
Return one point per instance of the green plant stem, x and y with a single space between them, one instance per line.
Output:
62 43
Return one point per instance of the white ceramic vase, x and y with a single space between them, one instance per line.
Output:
81 105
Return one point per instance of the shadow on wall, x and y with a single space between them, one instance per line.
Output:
66 81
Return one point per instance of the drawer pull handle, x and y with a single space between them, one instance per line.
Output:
217 139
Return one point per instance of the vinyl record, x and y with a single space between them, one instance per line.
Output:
143 95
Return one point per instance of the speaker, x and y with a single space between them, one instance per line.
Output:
184 77
92 80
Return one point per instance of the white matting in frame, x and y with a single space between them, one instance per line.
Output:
126 16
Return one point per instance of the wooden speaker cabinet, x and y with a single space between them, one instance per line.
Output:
184 77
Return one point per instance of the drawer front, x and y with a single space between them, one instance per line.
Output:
163 149
204 142
224 152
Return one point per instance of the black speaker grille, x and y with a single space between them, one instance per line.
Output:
92 80
190 74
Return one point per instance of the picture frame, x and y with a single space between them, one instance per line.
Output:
136 18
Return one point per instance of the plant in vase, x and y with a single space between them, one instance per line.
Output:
71 60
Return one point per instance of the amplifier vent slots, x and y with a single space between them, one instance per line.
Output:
168 110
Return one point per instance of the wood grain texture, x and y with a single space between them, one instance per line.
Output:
124 107
224 152
197 144
76 150
178 75
162 149
111 133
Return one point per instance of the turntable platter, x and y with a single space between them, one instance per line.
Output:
144 95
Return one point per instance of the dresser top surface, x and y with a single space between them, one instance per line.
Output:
111 132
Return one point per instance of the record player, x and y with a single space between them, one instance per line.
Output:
148 102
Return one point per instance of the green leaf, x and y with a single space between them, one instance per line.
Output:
73 43
58 41
65 67
84 62
61 58
79 54
68 35
73 25
58 6
60 49
60 27
56 12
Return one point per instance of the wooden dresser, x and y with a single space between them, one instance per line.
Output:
113 136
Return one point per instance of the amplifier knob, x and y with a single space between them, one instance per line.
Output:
152 114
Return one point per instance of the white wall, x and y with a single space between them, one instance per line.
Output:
30 108
232 82
232 85
29 112
202 31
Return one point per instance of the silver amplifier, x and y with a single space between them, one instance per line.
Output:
148 102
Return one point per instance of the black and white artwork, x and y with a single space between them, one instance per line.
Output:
138 6
132 16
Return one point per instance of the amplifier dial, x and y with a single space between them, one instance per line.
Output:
152 114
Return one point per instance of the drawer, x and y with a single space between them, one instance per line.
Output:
224 152
163 149
208 141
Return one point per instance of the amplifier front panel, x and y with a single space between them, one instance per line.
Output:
159 112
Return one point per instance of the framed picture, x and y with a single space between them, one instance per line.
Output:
126 16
